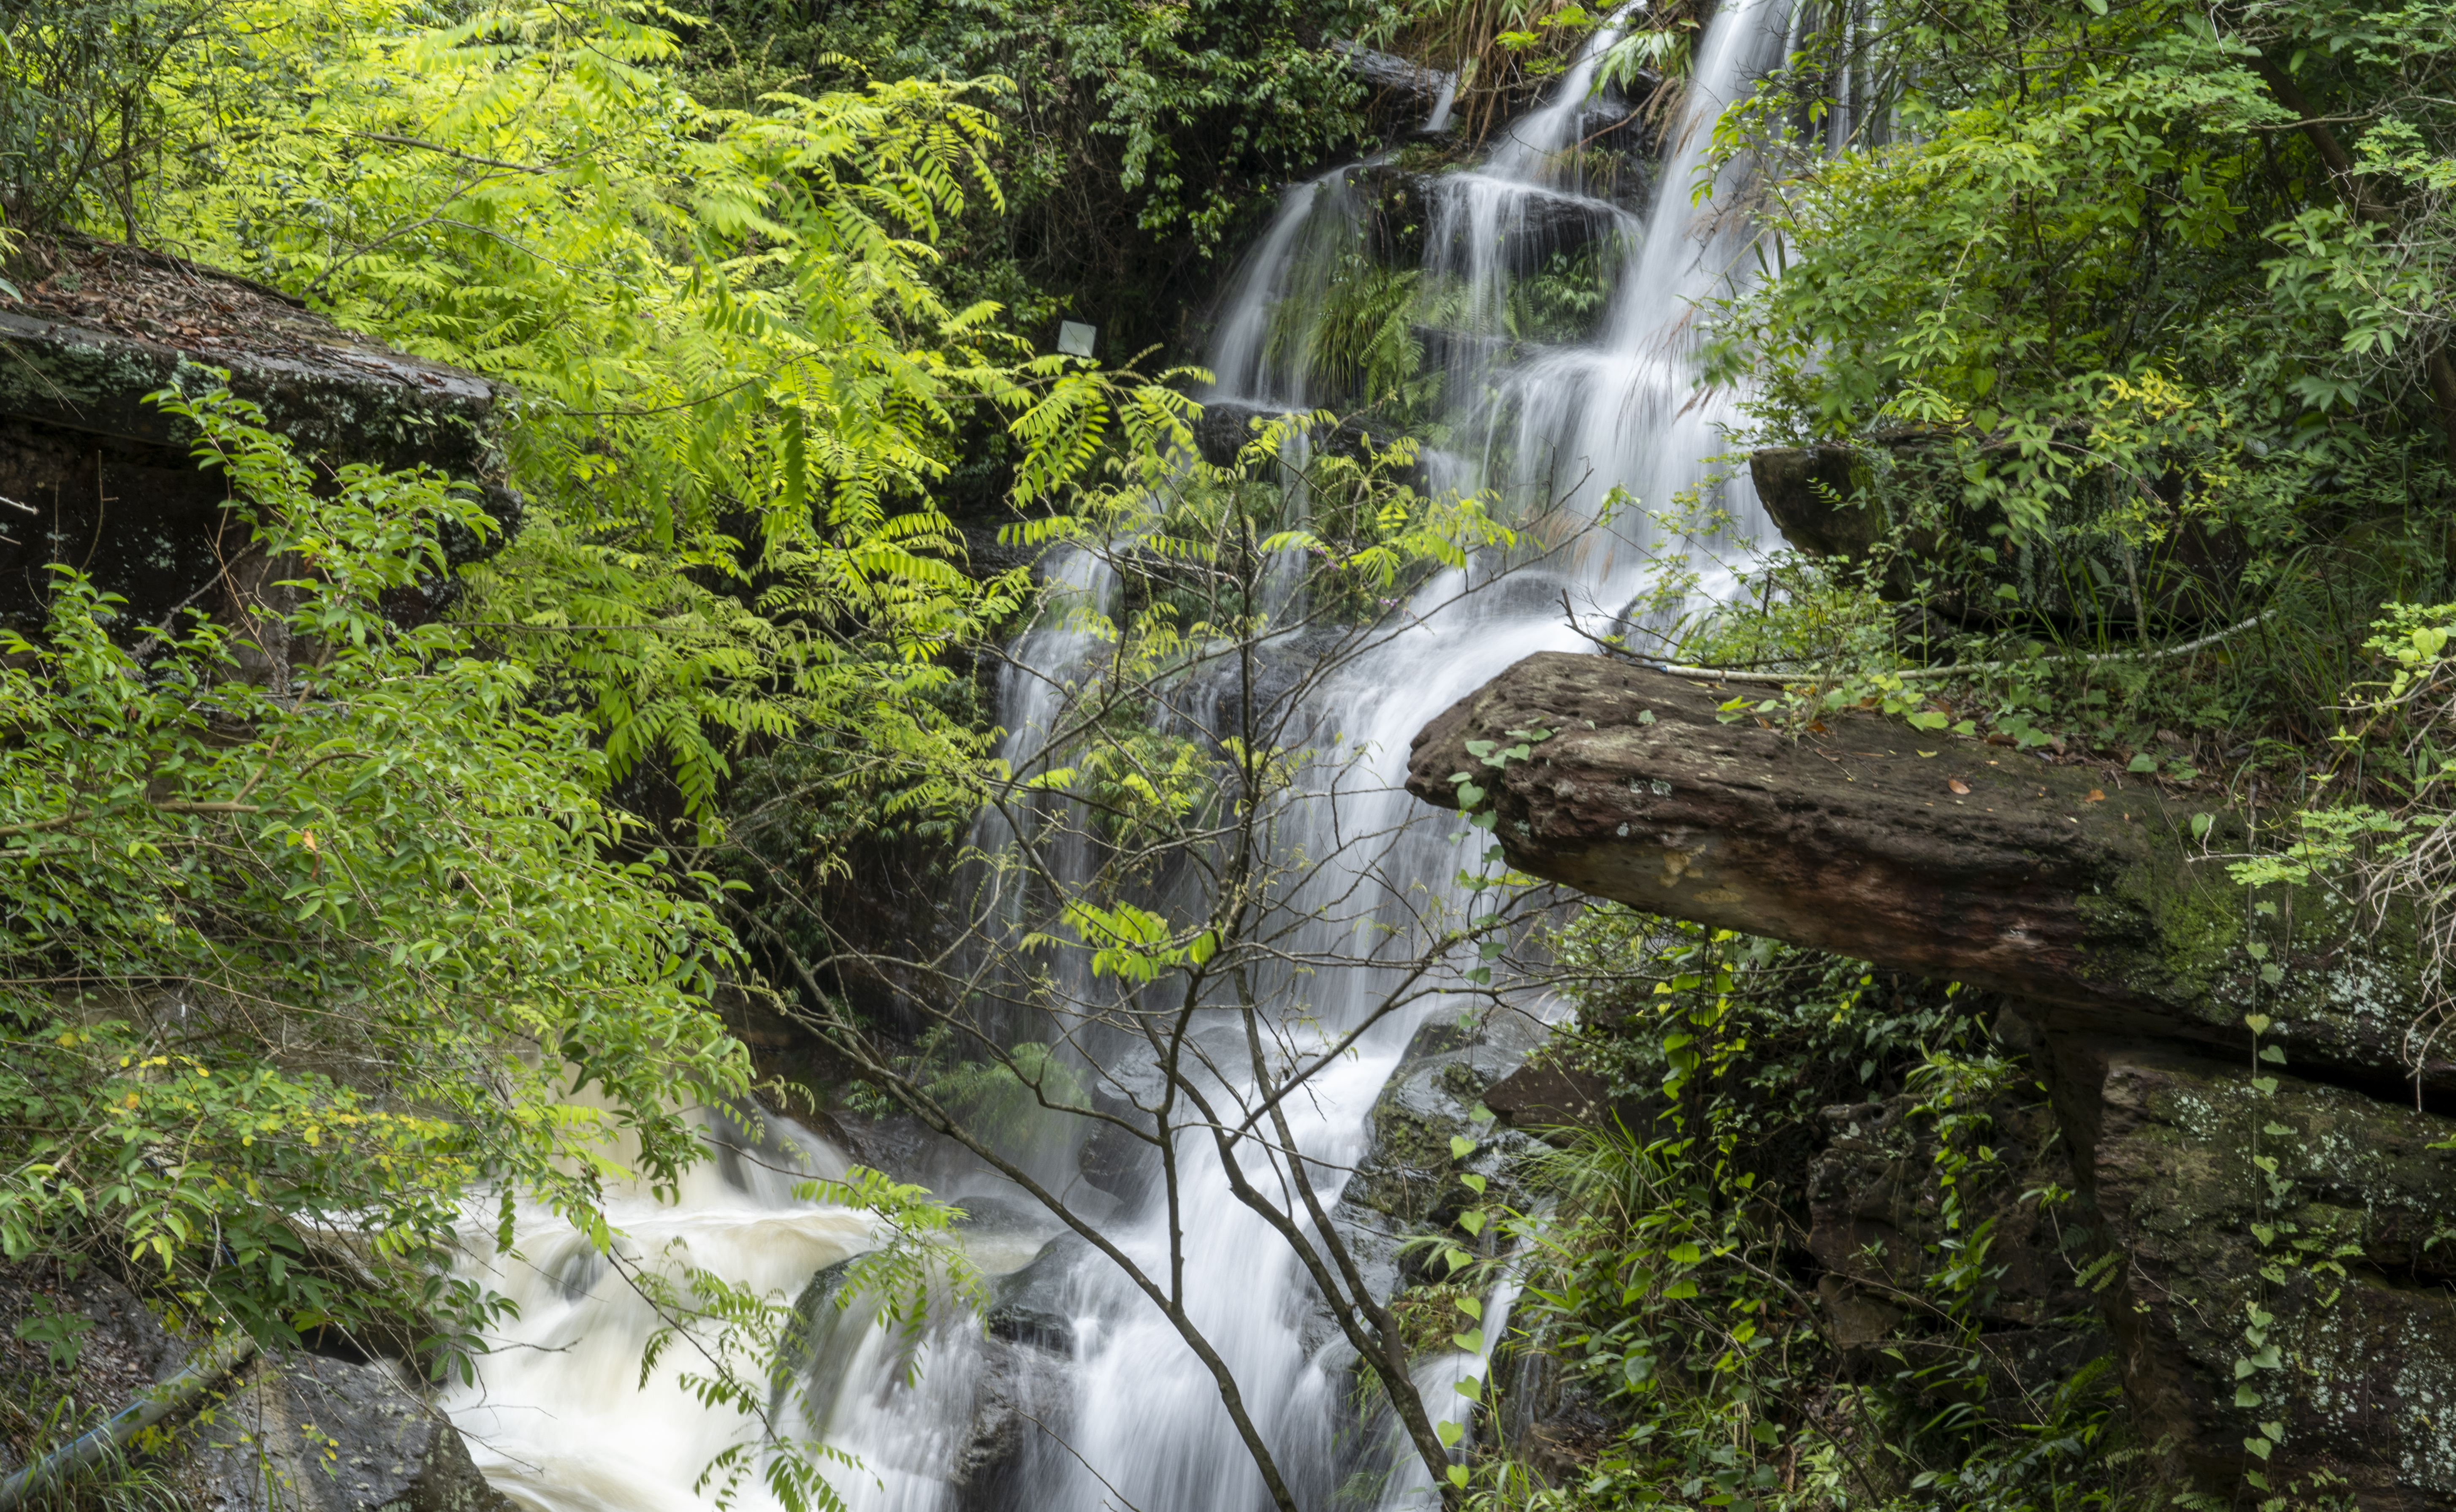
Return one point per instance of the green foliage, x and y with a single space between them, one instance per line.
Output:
293 974
1362 339
2087 194
1170 122
2117 306
81 120
38 1412
736 381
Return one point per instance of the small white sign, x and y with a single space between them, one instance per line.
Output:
1076 339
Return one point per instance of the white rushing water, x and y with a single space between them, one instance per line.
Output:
1126 1417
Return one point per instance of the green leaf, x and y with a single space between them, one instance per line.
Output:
1450 1432
2143 762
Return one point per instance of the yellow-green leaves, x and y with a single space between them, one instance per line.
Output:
1131 943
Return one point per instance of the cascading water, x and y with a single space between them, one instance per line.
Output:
1548 428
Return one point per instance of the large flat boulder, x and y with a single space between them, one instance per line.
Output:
97 478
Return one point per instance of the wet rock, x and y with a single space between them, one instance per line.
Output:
1553 1416
988 1213
1395 208
1541 1096
1404 214
1408 84
1408 1183
1120 1163
1464 355
1036 1305
1539 225
1017 1388
317 1435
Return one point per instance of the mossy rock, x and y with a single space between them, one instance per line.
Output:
2230 1193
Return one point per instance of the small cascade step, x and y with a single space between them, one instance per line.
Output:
1407 216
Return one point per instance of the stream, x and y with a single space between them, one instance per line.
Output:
1121 1414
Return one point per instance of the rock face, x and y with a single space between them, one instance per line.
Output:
2262 1206
318 1434
1408 1182
98 479
2286 1226
302 1434
1226 427
1406 83
1877 1217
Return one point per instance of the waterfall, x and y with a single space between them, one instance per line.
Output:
1549 423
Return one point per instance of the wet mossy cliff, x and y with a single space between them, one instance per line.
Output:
2269 1207
98 477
